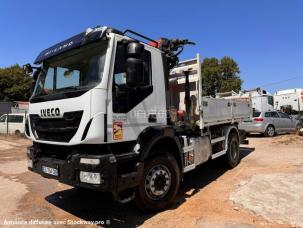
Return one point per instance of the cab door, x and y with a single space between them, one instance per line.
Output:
136 107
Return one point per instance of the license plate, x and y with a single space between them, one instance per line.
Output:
50 171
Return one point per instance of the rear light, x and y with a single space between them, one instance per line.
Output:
259 119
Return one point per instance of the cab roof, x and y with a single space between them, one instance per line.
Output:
89 36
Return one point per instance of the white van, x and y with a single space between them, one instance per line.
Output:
13 123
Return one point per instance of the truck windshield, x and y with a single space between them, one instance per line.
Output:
79 69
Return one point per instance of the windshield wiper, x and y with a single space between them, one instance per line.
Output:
71 88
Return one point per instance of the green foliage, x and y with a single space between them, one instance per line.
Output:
15 85
220 76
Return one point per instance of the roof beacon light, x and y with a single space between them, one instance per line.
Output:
88 30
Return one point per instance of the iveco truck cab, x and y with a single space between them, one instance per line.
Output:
101 117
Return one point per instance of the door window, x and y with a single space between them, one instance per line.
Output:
274 115
284 115
126 98
15 119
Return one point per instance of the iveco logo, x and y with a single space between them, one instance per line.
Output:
49 112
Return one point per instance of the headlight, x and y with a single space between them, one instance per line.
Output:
90 161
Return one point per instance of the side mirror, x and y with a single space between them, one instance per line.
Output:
134 64
28 69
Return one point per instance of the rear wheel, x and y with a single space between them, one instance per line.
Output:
270 131
233 151
159 185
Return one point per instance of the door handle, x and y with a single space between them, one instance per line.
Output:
152 118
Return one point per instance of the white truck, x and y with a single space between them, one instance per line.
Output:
105 114
261 100
289 100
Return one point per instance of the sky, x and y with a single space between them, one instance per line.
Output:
265 37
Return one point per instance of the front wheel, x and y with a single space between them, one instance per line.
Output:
159 185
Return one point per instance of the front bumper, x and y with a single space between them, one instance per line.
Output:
69 169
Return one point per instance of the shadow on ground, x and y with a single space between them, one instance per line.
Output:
95 206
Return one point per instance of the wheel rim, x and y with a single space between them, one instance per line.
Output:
270 131
299 127
234 149
157 182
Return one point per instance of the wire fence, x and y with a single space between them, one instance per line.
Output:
12 123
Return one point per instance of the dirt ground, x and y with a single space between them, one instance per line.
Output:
264 190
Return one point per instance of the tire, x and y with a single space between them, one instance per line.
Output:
162 171
232 156
299 127
270 131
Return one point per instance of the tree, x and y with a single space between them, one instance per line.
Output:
210 75
220 76
14 84
230 74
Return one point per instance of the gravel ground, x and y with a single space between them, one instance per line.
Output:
264 190
276 197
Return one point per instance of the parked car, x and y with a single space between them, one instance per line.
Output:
271 122
13 123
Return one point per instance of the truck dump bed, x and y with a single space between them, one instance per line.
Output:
220 110
206 111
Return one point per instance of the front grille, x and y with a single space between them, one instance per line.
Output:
56 129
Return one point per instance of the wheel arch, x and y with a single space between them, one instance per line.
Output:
228 130
156 139
269 124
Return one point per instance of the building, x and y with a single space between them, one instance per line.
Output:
289 100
